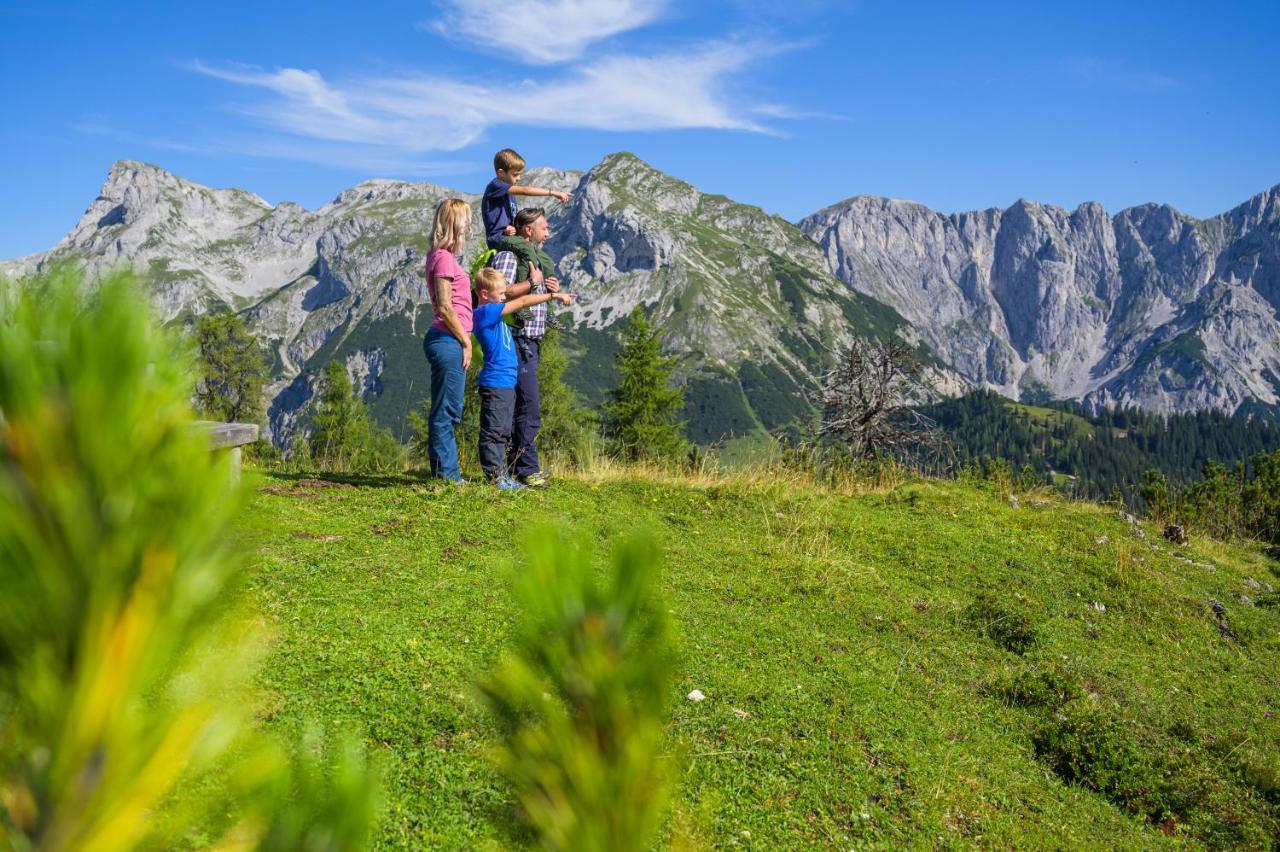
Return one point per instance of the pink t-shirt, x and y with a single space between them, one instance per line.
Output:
443 263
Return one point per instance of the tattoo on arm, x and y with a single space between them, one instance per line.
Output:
444 295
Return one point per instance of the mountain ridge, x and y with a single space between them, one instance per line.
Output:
1142 307
1030 300
745 298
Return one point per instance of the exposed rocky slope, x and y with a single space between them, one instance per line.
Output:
745 298
1149 307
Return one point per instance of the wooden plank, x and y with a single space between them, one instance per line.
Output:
223 436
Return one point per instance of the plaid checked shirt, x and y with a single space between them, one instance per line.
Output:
532 321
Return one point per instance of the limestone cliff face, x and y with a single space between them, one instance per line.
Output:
1149 307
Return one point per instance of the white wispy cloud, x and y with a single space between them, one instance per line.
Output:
416 114
1115 74
543 31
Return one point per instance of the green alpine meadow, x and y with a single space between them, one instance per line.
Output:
910 664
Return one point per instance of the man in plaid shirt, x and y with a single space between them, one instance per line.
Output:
522 262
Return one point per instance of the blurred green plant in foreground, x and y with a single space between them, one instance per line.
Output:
582 699
124 660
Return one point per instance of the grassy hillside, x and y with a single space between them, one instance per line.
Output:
929 665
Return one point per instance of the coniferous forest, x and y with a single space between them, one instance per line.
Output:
1092 456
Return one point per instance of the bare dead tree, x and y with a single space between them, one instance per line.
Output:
868 400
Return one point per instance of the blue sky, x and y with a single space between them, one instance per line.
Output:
791 106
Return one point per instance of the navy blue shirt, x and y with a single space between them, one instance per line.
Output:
499 349
497 210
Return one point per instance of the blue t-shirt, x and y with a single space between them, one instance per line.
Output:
497 211
500 365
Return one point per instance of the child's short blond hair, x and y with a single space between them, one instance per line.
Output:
508 160
489 279
453 223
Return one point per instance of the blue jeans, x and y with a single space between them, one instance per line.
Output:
448 380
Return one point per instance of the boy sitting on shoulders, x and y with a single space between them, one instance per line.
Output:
497 380
498 206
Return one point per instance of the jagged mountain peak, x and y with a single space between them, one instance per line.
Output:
148 179
1261 209
1036 300
382 191
640 185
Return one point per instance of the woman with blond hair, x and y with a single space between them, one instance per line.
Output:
448 341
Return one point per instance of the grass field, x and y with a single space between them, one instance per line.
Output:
924 666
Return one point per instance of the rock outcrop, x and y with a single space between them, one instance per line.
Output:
1149 307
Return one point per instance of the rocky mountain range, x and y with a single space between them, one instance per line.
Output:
1148 307
745 298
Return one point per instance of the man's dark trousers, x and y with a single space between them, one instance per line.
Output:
496 408
523 455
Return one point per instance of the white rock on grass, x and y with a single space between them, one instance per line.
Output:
696 695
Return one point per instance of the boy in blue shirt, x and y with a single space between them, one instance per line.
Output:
498 206
497 379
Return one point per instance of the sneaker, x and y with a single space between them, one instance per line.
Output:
506 483
538 479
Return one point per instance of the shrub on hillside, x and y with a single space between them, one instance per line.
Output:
582 698
122 664
1037 688
1088 747
1005 624
1180 786
1240 502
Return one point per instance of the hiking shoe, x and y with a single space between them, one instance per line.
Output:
506 483
538 479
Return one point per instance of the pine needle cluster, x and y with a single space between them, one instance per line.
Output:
123 659
582 700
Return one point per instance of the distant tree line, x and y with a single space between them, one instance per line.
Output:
1098 456
1242 501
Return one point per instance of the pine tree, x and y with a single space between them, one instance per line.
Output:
338 425
231 370
344 436
642 415
567 428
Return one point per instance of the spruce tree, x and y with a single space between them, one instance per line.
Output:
567 428
339 422
231 370
642 416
